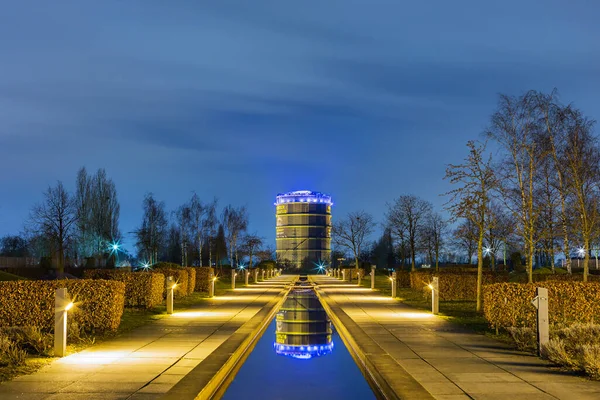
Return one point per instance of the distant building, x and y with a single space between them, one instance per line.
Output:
303 228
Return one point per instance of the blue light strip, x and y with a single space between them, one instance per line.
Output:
303 196
303 352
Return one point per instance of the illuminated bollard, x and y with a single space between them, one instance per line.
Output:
263 274
170 289
358 281
256 275
373 277
540 302
62 304
211 284
435 295
247 275
233 275
344 275
393 279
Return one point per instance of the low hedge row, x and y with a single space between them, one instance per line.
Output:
509 304
456 285
142 289
98 303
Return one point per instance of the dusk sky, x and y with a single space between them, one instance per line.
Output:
364 100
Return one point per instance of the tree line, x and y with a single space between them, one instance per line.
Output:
82 228
534 197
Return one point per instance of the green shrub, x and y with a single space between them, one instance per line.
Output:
509 304
10 353
30 338
98 303
454 285
142 289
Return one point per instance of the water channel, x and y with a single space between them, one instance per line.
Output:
300 356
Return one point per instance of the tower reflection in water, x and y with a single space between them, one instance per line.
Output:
303 328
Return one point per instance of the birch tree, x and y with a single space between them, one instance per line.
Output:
475 180
515 127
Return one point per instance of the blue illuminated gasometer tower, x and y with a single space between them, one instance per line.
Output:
303 235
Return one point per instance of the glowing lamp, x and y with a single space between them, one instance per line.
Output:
430 286
69 306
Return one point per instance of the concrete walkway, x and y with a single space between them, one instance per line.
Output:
445 360
149 361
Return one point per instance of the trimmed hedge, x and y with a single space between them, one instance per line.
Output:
509 304
191 286
403 279
202 274
454 286
181 278
142 289
98 303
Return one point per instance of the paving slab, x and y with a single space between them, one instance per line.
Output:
447 361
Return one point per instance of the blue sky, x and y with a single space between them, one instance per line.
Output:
365 100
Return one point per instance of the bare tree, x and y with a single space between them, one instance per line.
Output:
235 222
475 179
151 236
54 219
554 140
515 127
465 238
406 218
352 231
498 232
197 222
266 253
97 212
434 235
582 160
251 243
209 226
183 216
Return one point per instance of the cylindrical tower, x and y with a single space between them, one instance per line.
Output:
303 228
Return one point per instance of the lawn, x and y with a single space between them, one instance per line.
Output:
462 313
5 276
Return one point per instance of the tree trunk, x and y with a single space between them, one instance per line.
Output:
586 260
479 270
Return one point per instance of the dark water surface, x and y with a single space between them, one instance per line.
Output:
311 372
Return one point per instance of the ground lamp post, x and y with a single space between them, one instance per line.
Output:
393 279
373 277
170 289
211 284
247 275
233 275
263 274
256 275
435 295
359 277
62 304
540 302
343 275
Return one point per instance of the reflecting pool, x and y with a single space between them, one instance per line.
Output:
300 356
